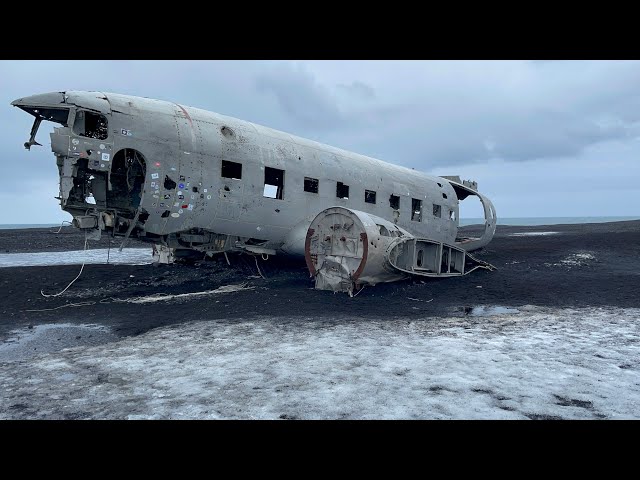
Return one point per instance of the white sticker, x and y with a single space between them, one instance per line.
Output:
177 204
173 169
102 146
175 215
102 165
208 197
187 184
190 207
179 192
153 184
192 197
205 190
154 175
105 157
155 196
125 132
75 141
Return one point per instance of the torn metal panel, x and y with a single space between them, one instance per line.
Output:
163 255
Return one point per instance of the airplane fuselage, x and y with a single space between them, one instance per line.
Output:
187 177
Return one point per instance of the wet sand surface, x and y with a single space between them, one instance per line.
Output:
548 279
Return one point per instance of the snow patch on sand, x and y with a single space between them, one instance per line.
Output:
537 363
575 260
129 256
531 234
30 342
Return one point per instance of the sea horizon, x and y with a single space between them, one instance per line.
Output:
515 221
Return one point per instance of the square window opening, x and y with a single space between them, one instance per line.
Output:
437 209
311 185
342 191
416 210
273 183
394 202
370 196
231 170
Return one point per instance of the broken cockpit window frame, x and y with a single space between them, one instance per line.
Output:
91 125
56 115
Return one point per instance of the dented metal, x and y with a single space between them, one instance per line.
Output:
191 181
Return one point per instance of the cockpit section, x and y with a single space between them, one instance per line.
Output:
101 181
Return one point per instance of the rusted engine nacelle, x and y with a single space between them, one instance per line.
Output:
346 248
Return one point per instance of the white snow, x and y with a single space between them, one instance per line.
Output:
536 363
130 256
159 297
574 260
531 234
27 343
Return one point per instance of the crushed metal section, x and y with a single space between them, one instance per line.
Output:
347 249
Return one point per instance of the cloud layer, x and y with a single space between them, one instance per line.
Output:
522 129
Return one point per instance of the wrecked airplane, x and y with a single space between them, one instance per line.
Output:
194 182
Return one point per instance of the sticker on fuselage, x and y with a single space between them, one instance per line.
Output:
175 215
125 132
155 175
105 157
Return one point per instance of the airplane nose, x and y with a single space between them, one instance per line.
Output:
41 100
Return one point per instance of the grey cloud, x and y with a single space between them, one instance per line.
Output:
424 115
300 96
358 90
552 120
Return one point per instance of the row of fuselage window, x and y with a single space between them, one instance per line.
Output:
274 188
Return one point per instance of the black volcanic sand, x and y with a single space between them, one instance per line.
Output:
530 271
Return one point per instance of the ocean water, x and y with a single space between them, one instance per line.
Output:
520 221
7 226
532 221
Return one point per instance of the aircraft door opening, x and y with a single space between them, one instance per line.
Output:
126 180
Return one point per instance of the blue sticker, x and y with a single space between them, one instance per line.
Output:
181 185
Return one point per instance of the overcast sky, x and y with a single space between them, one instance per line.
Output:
541 138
